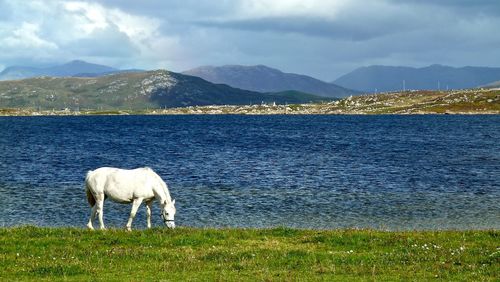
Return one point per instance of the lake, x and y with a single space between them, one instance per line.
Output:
386 172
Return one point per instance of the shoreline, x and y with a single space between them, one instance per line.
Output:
83 228
307 109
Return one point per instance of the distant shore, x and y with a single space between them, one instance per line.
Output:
305 109
301 109
462 102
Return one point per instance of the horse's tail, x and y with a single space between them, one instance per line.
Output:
90 197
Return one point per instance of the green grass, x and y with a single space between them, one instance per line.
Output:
31 253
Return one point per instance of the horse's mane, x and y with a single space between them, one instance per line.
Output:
161 182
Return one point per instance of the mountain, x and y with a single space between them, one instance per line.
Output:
69 69
137 90
495 84
388 78
265 79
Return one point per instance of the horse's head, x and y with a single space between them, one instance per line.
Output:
168 213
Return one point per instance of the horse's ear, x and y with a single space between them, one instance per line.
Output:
173 202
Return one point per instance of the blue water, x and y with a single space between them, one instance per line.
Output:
388 172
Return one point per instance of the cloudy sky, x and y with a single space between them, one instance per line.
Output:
321 38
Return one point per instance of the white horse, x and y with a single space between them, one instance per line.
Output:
128 186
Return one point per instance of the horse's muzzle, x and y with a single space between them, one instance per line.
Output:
170 224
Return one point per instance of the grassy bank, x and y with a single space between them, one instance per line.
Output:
30 253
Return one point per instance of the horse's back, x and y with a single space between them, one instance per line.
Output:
95 179
106 172
122 185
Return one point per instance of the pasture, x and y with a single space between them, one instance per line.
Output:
33 253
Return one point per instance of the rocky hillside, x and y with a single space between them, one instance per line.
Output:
265 79
419 102
141 90
415 102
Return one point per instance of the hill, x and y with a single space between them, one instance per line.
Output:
473 101
141 90
434 77
469 101
69 69
265 79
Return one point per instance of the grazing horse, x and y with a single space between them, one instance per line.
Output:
128 186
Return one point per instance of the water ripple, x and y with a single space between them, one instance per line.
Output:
391 172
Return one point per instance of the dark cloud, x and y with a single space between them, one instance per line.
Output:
490 6
108 42
343 30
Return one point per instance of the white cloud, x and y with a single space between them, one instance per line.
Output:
57 31
26 36
293 8
87 17
92 16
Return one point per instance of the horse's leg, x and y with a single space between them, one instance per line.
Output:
148 212
135 205
93 211
99 202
